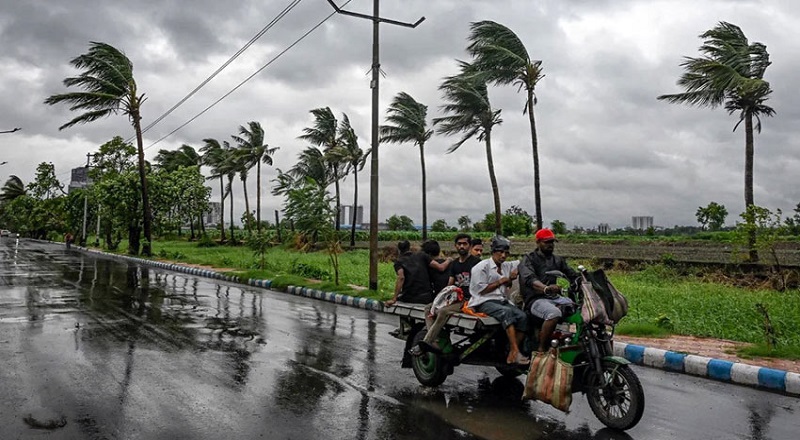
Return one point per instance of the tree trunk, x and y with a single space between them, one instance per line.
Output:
498 225
338 202
748 182
133 239
424 192
258 196
246 218
535 147
222 209
233 234
148 232
355 207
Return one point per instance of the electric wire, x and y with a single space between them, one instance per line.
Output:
302 37
258 35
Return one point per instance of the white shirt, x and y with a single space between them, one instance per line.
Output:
485 273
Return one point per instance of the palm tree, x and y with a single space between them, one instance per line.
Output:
468 111
730 73
407 119
230 166
185 156
108 88
214 157
312 163
324 133
254 152
12 189
500 55
349 153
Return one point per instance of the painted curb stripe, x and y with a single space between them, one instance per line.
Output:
674 361
634 353
773 379
720 370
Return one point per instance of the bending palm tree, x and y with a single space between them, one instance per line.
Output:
731 73
12 189
408 124
109 88
469 112
255 151
214 157
500 55
185 156
324 133
349 153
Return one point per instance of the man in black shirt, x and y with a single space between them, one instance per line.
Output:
539 289
460 270
413 283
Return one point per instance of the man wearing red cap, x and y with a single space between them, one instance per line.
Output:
539 289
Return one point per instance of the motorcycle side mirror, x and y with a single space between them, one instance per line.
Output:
555 273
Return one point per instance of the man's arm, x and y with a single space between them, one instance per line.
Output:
441 267
398 287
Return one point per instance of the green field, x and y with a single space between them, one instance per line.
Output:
660 299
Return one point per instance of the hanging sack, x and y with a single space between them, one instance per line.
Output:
615 302
593 309
549 380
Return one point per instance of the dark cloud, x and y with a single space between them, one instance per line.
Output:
608 149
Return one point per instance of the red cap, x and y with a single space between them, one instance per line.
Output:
545 234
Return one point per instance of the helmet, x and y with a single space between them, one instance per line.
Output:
500 243
545 234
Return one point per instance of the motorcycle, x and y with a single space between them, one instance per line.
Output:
613 390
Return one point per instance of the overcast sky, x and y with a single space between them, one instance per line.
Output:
608 150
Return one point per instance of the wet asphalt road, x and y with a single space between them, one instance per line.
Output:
98 349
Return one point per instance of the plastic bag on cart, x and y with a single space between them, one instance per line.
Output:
447 296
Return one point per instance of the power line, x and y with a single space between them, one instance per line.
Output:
258 35
246 79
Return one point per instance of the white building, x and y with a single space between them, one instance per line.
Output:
642 223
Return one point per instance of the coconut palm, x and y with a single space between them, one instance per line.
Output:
108 88
214 157
731 74
498 53
254 151
185 156
324 133
12 189
407 123
312 163
469 111
349 153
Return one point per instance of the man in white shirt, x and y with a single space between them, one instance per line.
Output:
489 281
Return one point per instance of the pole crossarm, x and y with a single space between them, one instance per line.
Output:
10 131
373 18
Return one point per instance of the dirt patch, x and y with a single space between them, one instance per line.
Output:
712 348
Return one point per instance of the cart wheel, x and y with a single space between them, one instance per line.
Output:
430 368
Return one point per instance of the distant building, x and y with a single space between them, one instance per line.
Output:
603 228
80 178
642 223
346 215
213 216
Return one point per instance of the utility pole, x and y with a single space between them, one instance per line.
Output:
85 202
373 178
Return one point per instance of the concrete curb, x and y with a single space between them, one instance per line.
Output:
714 369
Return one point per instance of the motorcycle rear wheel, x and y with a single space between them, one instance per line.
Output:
429 368
620 404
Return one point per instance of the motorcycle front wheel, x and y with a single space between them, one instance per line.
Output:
619 404
429 368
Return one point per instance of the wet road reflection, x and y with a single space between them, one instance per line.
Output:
120 351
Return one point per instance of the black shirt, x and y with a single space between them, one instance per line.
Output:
534 267
461 273
439 279
417 286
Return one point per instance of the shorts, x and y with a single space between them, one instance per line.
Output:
507 313
546 309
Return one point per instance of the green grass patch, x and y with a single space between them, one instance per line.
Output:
642 329
762 350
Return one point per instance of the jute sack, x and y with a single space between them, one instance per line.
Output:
549 380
